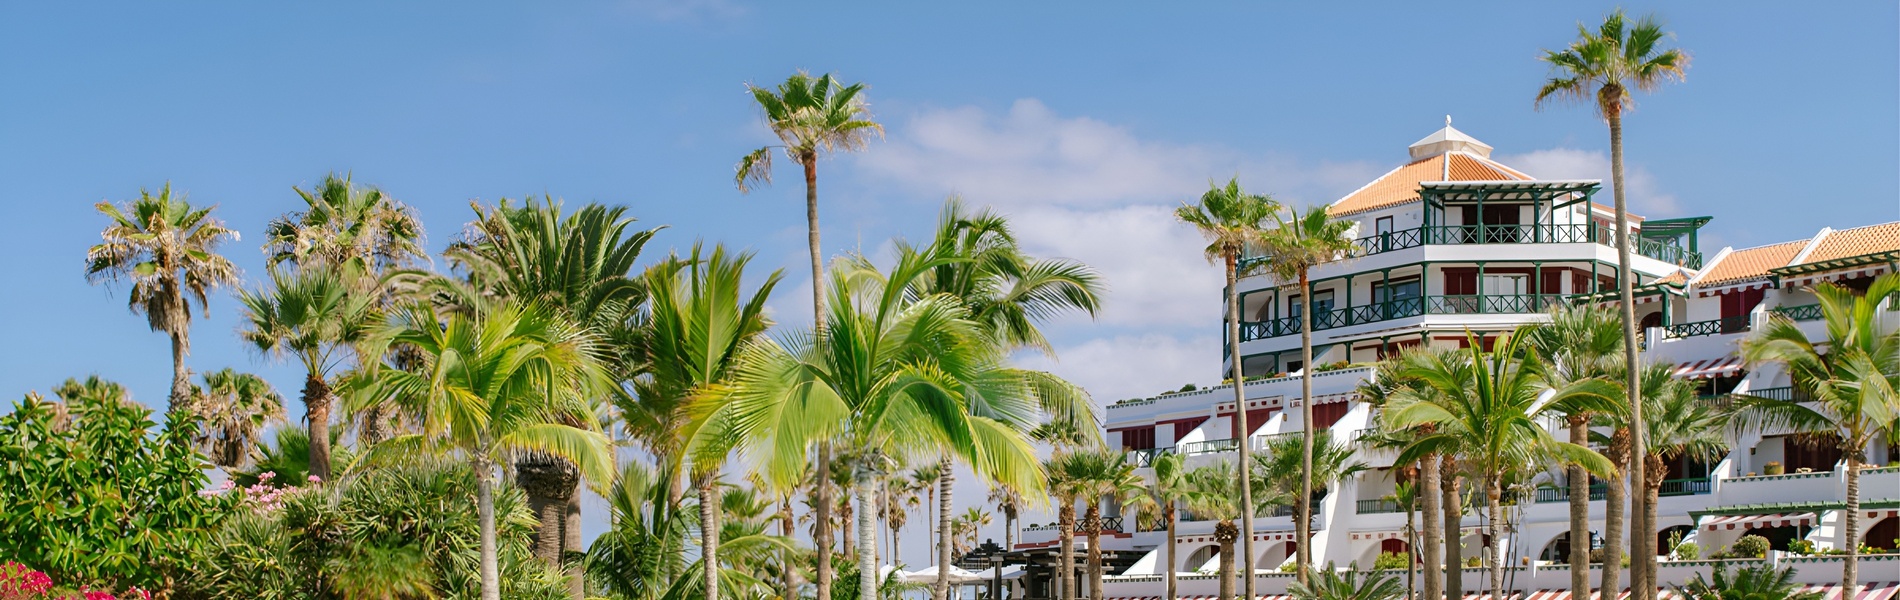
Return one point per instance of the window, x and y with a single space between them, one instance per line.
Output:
1322 304
1382 226
1397 290
1502 285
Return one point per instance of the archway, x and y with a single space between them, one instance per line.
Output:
1778 537
1883 534
1664 547
1558 550
1201 557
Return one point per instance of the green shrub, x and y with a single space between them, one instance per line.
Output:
1391 560
1332 584
1751 546
1688 551
1801 547
1748 582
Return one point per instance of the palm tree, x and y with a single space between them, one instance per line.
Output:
969 527
1580 343
1285 465
1170 487
811 117
1332 584
1385 391
1602 68
1293 247
582 265
508 379
1850 389
1488 406
1682 426
891 374
236 407
1067 472
313 316
357 229
1760 582
647 537
1009 502
1212 493
169 251
1114 480
1231 221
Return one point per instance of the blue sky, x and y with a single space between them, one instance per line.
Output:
1085 121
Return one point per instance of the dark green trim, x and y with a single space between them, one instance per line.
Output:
1829 265
1782 507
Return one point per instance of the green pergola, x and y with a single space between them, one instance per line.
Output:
1540 194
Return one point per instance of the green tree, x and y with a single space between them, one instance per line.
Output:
1297 243
1231 220
1008 501
1067 471
235 408
1111 479
313 317
507 379
1212 495
1333 584
1170 489
648 537
1284 466
1850 388
1603 68
1581 343
168 250
1761 582
359 230
1487 407
968 527
1682 426
890 374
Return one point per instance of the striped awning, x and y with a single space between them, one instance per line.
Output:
1731 522
1399 534
1809 280
1711 368
1876 590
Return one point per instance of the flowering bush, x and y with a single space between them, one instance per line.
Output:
19 582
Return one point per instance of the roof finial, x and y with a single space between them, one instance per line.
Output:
1447 120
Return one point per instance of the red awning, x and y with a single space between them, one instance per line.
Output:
1731 522
1711 368
1877 590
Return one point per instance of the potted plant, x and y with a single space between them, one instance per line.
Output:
1772 468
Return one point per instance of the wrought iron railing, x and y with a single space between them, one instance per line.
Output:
1685 487
1379 505
1788 394
1402 308
1146 456
1562 494
1805 312
1491 303
1209 446
1735 324
1511 234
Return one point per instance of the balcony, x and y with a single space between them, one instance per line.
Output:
1562 494
1685 487
1785 394
1379 506
1805 312
1459 235
1402 308
1209 446
1146 457
1735 324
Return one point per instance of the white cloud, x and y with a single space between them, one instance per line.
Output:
1131 366
1645 195
1153 265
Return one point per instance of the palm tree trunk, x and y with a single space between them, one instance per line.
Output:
1411 551
1092 522
847 511
1645 559
941 590
821 523
1579 512
709 536
548 482
1454 514
1627 306
1172 559
1850 564
1065 534
788 558
1227 566
867 543
571 543
1613 515
316 402
485 509
1493 495
181 377
1240 417
1303 505
1431 556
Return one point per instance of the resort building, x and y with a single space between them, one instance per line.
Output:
1457 248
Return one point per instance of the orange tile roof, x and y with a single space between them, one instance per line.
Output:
1859 241
1401 185
1677 278
1752 263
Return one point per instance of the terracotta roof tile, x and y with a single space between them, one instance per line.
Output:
1846 243
1752 263
1677 277
1401 185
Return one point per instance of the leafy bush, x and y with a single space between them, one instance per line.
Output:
20 582
1748 583
90 496
1801 547
1332 584
1391 560
1688 551
1750 546
1187 388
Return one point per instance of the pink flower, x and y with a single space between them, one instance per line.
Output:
98 595
315 479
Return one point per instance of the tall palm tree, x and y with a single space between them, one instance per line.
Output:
1169 489
581 264
1212 494
700 317
969 527
1488 406
1603 68
1231 220
647 537
1682 426
235 407
169 251
1851 388
508 379
1296 244
1068 470
1283 465
811 117
1579 343
1384 392
1008 501
358 229
312 316
891 374
1111 478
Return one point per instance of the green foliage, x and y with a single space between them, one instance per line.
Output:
405 532
1688 551
1750 546
1391 560
845 587
1333 584
1803 547
91 496
1761 582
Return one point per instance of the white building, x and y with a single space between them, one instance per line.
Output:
1453 242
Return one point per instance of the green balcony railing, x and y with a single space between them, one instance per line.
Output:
1209 446
1735 324
1684 487
1379 505
1786 394
1543 233
1544 495
1805 312
1402 308
1146 456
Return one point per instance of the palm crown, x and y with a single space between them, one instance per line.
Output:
357 228
1302 241
809 115
1229 218
168 250
1602 66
